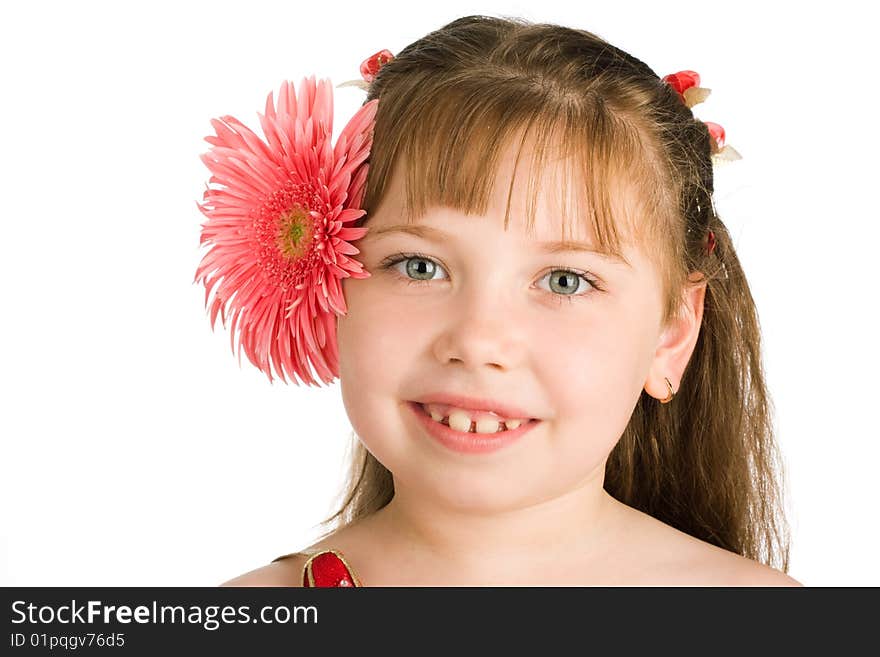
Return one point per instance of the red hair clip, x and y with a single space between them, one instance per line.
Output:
369 69
710 243
371 65
687 85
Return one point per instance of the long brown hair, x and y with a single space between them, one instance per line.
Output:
706 463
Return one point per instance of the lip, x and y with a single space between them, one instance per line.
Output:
466 442
473 404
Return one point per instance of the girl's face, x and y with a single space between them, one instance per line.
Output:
483 312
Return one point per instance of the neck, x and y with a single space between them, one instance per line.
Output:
577 524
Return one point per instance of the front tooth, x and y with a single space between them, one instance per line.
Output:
487 425
459 421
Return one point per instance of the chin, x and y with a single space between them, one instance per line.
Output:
465 488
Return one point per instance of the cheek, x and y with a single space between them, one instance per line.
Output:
591 356
594 373
370 336
372 362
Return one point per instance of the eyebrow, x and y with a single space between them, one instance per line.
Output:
437 235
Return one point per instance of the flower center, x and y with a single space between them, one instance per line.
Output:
284 233
295 232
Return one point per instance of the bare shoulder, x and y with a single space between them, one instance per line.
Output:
288 570
752 573
679 559
711 565
284 572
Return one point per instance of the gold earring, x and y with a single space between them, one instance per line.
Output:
671 392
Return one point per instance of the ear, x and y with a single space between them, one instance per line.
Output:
677 341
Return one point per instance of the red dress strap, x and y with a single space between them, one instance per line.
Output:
328 568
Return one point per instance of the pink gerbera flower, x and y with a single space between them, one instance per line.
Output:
277 229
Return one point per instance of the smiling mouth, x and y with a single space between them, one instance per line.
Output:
502 425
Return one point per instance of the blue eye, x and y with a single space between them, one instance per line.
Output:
416 271
420 270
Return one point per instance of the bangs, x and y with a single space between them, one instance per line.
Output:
452 137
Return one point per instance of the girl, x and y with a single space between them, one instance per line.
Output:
551 360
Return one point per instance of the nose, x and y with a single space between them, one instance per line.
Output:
481 328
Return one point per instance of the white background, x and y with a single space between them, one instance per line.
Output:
136 451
